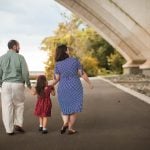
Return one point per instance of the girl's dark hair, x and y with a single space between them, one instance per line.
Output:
61 53
11 43
41 83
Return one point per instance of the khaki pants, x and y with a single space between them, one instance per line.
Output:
12 97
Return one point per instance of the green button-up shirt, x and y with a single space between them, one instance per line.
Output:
13 68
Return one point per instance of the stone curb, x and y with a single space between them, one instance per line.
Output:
128 90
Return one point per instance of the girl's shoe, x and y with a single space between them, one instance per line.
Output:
40 128
63 129
44 131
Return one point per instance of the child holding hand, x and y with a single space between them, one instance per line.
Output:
43 105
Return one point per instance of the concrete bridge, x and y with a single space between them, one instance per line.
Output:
125 24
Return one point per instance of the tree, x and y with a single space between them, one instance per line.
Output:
90 65
116 61
92 50
69 32
99 49
49 45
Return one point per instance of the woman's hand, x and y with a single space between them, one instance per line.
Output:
85 77
55 80
91 86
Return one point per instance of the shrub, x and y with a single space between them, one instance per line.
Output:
90 65
116 61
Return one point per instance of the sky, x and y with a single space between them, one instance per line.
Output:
29 22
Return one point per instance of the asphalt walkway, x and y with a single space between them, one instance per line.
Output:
111 120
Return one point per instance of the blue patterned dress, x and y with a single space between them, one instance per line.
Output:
70 90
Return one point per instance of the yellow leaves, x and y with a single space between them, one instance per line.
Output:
90 65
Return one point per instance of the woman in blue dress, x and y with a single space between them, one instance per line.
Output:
70 90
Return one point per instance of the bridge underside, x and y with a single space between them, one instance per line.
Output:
124 24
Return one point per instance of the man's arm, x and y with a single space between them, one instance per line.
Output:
25 72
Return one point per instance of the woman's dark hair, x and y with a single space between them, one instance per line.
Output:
11 43
40 85
61 53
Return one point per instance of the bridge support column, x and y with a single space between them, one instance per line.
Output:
132 70
132 67
146 68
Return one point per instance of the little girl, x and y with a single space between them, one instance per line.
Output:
43 105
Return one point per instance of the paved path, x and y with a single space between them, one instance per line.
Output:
111 120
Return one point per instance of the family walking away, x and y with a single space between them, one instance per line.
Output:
13 76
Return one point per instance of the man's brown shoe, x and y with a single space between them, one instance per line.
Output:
12 133
19 129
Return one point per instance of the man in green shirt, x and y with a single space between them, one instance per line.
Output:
13 75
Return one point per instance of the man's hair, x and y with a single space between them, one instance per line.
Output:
11 43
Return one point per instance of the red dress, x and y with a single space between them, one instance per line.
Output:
44 105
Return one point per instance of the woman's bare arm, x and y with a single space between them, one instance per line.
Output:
86 78
55 80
